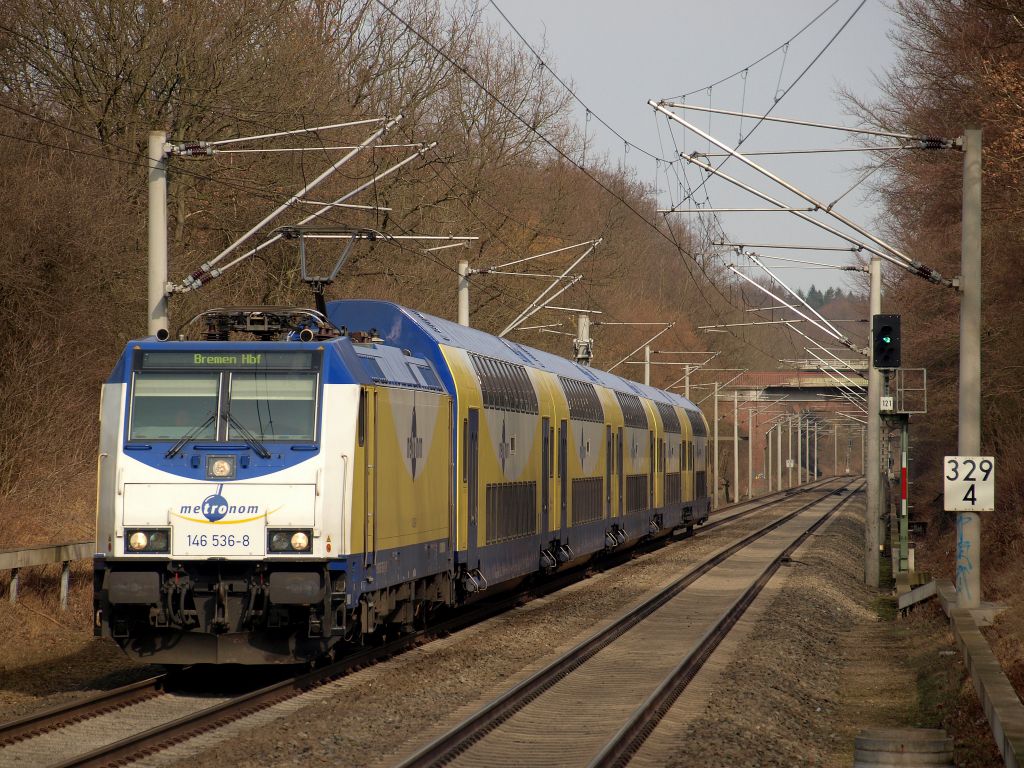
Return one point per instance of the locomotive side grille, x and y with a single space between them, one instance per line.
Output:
636 493
511 511
673 488
587 493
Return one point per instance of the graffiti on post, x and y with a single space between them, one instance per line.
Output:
964 565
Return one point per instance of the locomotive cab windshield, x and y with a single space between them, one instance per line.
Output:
224 396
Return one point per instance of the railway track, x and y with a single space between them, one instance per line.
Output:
596 704
77 711
128 723
145 717
742 509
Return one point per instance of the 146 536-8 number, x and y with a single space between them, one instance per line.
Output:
217 540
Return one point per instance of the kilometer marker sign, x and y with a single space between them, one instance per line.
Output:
969 483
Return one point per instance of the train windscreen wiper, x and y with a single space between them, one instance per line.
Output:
248 436
188 436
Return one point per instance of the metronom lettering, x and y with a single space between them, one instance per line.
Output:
223 509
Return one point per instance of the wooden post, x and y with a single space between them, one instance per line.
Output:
65 580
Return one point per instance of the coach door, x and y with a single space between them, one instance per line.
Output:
652 467
473 482
609 458
563 469
622 473
663 469
545 481
368 434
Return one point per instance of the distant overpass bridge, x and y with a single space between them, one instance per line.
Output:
798 386
777 424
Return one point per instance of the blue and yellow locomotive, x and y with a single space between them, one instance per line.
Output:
270 501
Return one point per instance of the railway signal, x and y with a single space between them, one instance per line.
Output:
885 341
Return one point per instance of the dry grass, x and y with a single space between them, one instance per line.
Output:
48 656
67 514
945 695
1002 576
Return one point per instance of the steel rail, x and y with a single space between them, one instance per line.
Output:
83 709
450 744
164 735
760 503
630 738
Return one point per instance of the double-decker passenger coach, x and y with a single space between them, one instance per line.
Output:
293 483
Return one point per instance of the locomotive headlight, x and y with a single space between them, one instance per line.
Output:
148 540
289 540
158 541
220 467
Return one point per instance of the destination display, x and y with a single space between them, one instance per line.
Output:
220 360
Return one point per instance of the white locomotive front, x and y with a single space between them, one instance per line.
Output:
215 479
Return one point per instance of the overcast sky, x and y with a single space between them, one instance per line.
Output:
620 54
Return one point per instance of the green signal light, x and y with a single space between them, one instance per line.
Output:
887 339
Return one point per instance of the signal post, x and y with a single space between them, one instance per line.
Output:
872 462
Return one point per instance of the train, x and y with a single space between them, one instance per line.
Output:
291 483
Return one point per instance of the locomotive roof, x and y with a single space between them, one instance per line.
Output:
422 333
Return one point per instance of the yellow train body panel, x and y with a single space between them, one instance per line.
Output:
401 483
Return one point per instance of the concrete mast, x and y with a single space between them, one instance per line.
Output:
968 524
157 279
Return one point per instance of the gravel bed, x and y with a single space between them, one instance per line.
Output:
810 666
45 662
779 702
378 714
816 667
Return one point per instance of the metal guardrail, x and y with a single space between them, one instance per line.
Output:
14 560
999 699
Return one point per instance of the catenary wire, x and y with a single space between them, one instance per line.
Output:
758 61
589 110
778 98
573 162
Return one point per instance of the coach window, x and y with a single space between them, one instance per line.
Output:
551 455
487 383
498 381
508 396
465 449
491 395
516 386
